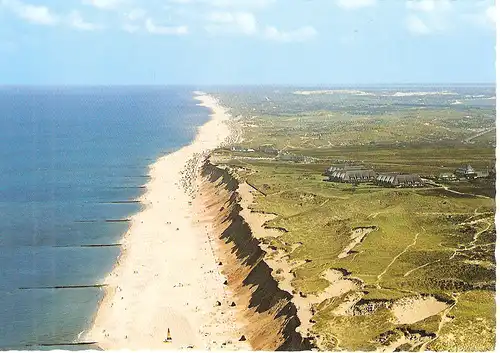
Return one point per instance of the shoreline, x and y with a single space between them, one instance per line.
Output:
166 276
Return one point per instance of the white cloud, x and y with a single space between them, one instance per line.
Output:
75 20
297 35
136 20
231 22
104 4
240 3
491 14
131 19
135 14
165 30
229 4
430 16
41 15
417 26
484 16
429 5
355 4
244 22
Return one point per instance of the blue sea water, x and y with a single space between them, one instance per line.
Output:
68 157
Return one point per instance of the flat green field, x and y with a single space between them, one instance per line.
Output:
426 242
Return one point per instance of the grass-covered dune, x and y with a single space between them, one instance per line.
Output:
422 258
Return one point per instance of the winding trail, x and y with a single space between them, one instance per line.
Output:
447 188
419 267
473 244
379 277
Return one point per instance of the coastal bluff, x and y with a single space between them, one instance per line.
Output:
267 312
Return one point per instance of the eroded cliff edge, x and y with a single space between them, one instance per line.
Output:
269 316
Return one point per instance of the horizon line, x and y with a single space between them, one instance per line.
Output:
8 85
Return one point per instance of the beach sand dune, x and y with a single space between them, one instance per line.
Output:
167 277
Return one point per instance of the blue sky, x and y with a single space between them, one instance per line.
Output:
246 41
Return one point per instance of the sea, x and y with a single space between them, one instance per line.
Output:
73 161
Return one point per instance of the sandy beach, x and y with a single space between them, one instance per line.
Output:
167 277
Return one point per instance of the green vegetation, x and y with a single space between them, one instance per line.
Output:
426 241
473 325
323 130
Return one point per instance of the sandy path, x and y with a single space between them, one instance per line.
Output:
167 276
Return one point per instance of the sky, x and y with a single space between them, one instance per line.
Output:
233 42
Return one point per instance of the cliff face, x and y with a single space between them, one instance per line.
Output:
269 315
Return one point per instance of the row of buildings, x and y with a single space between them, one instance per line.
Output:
350 173
467 172
358 174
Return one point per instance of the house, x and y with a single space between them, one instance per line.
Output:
447 177
465 171
399 180
289 157
241 149
269 149
353 175
337 167
482 173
